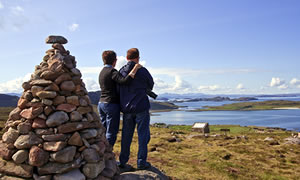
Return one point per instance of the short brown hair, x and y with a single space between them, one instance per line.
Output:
133 53
109 57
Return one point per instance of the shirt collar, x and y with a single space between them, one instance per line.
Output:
108 65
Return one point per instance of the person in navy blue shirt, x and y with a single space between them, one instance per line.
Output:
135 106
109 104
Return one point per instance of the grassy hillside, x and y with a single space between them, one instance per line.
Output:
248 106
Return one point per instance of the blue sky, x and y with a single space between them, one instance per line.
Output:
191 46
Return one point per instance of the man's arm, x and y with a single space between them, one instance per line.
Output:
117 77
149 80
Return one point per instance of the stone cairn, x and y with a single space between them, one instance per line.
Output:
54 132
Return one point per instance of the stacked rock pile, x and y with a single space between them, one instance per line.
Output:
54 132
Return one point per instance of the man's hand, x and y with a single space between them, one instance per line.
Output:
134 70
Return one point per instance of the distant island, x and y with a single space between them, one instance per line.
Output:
216 99
251 106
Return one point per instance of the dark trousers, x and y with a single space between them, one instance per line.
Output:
110 118
130 120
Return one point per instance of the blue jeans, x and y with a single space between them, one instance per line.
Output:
110 118
142 120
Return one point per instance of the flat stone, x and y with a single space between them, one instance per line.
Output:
37 156
110 168
77 80
47 102
26 86
69 61
54 146
90 117
42 116
46 177
92 170
73 100
59 168
43 131
48 110
91 155
144 174
75 126
35 90
66 107
10 168
15 114
46 94
35 104
64 156
56 63
67 86
39 123
59 100
24 128
75 140
75 116
20 156
59 47
89 133
10 136
27 113
55 137
5 152
76 72
56 39
72 175
49 75
63 77
100 147
57 119
40 82
32 112
28 96
292 140
22 103
52 87
84 110
26 141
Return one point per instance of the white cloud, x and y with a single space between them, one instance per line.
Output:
276 82
17 10
1 5
209 88
240 86
15 85
177 86
91 84
73 27
181 85
295 82
283 86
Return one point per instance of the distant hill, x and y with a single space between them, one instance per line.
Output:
8 100
95 96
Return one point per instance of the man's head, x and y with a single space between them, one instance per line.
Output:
109 57
133 54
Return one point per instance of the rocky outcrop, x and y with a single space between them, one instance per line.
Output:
54 132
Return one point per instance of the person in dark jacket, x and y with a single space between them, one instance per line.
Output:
109 104
135 107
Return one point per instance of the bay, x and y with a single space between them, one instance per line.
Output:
289 119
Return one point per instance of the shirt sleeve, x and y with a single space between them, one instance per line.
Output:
118 78
149 80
